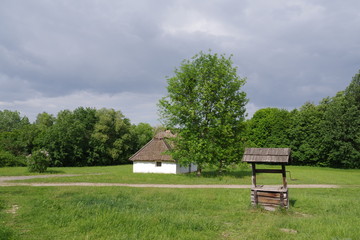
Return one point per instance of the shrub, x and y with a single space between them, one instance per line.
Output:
8 159
38 161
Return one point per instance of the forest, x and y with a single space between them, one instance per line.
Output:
325 134
83 137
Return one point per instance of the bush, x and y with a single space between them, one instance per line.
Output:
8 159
38 161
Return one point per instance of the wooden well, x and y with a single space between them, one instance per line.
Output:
270 197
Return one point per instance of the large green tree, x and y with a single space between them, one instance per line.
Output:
16 138
141 134
10 120
68 139
206 104
269 128
111 138
341 128
306 136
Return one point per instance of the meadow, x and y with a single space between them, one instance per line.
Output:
153 213
236 175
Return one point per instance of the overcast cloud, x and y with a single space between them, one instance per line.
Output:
63 54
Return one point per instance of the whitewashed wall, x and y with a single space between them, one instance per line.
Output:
166 167
150 167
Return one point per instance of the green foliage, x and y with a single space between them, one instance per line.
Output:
141 134
10 120
205 103
89 137
16 133
111 138
68 140
341 131
38 161
306 135
8 159
45 120
205 107
269 128
327 134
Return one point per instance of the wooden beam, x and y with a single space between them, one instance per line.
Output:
284 175
253 177
256 199
269 171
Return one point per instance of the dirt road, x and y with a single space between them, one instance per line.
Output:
4 181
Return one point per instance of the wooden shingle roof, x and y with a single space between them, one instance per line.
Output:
267 155
155 149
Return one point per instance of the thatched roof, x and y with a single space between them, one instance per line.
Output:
155 149
164 134
267 155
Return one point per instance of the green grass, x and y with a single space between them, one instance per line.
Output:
239 175
152 213
149 213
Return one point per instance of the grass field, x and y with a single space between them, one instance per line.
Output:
132 213
153 213
239 175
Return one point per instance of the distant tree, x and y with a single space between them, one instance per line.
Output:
43 124
45 120
329 134
16 133
111 138
269 128
341 128
141 134
206 104
68 140
306 136
10 120
16 137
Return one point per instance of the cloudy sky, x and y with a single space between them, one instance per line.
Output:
62 54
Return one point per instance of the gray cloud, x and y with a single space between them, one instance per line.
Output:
290 51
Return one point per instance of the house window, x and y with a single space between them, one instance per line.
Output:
158 164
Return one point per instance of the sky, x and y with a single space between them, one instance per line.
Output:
63 54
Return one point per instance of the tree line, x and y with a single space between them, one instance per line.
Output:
83 137
206 106
324 134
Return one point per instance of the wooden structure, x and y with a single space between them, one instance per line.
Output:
270 197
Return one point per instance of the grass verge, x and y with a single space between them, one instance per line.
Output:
149 213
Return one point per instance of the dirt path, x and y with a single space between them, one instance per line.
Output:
4 182
12 178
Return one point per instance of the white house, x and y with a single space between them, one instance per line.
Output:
152 157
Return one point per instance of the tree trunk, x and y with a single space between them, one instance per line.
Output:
198 171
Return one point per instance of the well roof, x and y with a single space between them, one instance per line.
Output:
155 149
267 155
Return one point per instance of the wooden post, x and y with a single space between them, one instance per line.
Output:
284 175
281 199
253 178
256 200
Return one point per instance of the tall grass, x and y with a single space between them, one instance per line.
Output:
148 213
